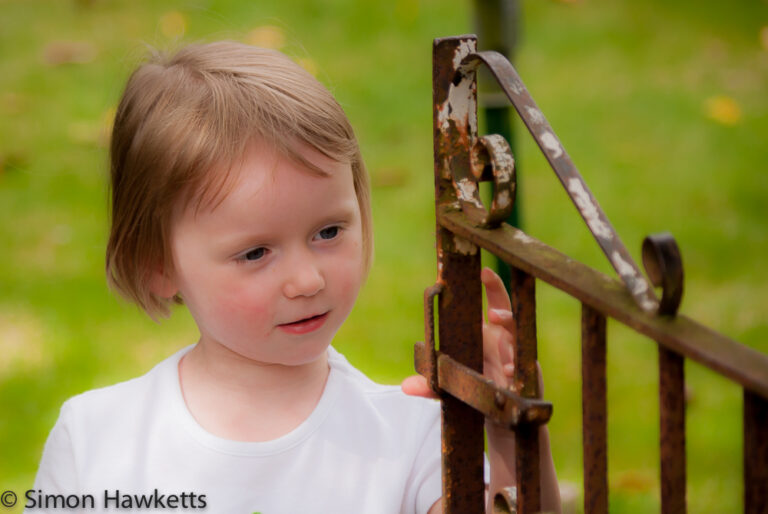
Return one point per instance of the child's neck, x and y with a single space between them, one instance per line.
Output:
236 398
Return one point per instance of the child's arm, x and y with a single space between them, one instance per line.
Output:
498 365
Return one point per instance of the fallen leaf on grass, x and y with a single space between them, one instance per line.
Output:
723 109
83 132
61 52
635 481
12 103
308 64
11 162
764 37
266 36
389 177
173 24
22 342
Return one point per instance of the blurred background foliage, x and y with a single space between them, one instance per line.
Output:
661 105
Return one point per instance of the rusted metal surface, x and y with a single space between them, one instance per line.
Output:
505 501
755 453
594 411
489 153
498 404
566 171
462 160
672 431
525 381
460 302
742 364
424 352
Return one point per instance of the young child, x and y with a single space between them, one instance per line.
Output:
238 188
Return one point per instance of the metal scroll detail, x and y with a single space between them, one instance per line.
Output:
453 368
461 103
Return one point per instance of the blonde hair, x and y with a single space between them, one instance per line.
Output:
182 120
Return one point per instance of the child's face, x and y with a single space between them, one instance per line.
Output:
272 272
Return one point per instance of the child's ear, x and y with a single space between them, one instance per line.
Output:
161 284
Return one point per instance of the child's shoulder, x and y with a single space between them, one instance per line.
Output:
125 398
359 387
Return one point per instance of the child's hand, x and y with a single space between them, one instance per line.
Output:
499 366
498 362
498 332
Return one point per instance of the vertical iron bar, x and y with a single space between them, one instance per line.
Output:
594 411
460 303
755 453
672 431
523 295
460 336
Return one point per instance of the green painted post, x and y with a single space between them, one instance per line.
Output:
497 24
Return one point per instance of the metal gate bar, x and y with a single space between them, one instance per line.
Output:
672 431
525 380
462 160
594 410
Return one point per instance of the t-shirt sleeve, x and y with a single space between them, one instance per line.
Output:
57 473
425 480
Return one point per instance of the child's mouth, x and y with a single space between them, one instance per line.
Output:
305 325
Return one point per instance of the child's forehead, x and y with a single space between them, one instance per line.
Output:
261 158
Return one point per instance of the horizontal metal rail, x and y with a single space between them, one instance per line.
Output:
680 334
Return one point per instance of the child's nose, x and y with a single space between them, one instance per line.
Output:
304 280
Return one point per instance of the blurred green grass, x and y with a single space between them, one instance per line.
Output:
662 107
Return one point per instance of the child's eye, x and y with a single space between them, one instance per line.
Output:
329 232
255 254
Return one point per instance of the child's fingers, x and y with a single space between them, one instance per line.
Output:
505 322
416 385
494 290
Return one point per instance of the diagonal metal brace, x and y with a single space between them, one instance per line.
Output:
596 220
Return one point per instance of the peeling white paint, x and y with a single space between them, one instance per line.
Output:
501 158
515 86
622 266
523 237
588 209
649 305
552 144
502 199
640 287
627 271
463 246
468 192
464 49
535 114
457 106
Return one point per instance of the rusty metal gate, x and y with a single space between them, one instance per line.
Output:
462 160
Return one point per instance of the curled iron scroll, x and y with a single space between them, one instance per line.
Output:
593 215
662 262
493 151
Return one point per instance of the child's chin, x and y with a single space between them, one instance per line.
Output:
307 354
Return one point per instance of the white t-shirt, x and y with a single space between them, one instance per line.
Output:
365 448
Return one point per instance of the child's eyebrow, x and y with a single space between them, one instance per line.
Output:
339 213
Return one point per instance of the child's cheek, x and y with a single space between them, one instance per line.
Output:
241 307
350 281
